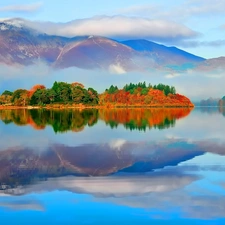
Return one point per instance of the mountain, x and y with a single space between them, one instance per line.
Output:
22 45
208 102
212 64
162 54
95 52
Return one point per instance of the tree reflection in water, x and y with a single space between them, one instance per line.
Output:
75 119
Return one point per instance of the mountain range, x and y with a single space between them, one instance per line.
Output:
23 45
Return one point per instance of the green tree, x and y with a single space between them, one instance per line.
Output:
62 91
112 89
41 97
6 92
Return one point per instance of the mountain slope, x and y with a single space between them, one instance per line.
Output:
96 52
212 64
161 53
22 45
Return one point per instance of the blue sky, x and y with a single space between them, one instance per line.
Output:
193 25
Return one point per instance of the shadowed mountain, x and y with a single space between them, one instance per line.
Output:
162 54
21 45
208 102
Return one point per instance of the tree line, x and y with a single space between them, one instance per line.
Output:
75 93
143 88
60 92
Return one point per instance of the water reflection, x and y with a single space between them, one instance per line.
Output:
212 110
141 119
21 166
76 120
147 177
60 120
222 110
124 186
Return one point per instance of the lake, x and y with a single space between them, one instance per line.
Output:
112 166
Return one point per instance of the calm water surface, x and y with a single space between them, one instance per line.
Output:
124 166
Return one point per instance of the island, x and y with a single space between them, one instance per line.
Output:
75 95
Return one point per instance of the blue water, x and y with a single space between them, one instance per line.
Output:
99 175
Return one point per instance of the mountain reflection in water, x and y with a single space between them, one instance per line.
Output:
143 174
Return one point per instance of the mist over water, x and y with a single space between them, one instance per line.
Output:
191 82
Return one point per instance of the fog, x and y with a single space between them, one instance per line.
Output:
194 84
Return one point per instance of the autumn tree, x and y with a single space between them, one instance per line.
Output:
20 97
6 97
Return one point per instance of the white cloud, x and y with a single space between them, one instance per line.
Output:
117 69
99 186
28 8
117 144
16 71
172 75
119 27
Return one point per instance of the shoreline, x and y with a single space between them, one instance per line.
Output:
2 107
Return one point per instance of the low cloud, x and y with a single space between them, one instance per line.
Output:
117 69
209 74
119 27
195 44
22 8
117 144
172 75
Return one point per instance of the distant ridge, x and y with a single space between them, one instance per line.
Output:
162 53
21 45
